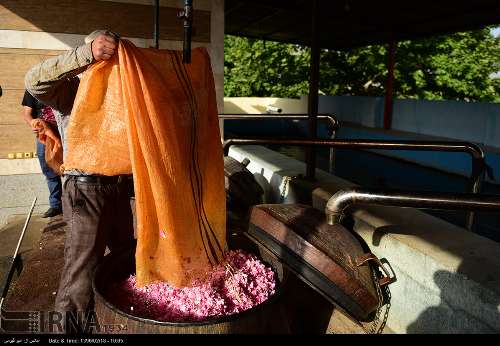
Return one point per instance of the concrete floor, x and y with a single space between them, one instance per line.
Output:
43 258
34 285
20 182
10 234
17 192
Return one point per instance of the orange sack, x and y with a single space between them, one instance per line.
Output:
145 112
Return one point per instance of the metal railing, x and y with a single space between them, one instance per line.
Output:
334 124
340 201
476 153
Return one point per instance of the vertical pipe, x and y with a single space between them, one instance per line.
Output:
188 19
389 86
478 167
331 164
156 31
312 105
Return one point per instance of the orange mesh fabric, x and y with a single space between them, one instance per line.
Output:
145 112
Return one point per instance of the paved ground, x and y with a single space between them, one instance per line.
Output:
32 291
17 193
35 288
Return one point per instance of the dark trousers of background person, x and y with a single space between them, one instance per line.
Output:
98 213
53 180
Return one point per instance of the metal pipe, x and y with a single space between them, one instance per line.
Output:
187 16
334 125
477 154
339 202
312 100
453 146
14 258
477 174
16 251
156 31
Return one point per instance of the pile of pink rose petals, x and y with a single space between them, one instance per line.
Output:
239 283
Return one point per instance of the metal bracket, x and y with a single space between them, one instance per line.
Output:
387 279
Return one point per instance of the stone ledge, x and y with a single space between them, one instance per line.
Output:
19 166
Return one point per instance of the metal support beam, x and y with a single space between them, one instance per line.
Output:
391 55
312 106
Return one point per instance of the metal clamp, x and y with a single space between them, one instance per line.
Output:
387 279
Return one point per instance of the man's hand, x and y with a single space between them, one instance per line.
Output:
37 125
104 46
35 129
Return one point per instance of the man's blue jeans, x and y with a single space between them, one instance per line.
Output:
53 180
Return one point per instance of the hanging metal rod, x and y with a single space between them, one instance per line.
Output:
187 16
156 30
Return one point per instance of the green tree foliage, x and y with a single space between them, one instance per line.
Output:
454 67
264 68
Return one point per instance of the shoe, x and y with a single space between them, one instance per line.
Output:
52 212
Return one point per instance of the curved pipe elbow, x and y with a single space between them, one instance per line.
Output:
226 145
337 204
475 150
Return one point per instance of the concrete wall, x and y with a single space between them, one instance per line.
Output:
477 122
31 31
447 278
257 105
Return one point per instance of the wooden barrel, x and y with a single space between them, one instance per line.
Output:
268 317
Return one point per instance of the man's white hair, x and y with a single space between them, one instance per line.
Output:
91 37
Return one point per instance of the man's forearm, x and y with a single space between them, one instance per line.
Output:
52 81
27 115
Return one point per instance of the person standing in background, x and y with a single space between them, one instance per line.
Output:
33 109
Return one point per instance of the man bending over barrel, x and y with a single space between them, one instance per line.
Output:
95 207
